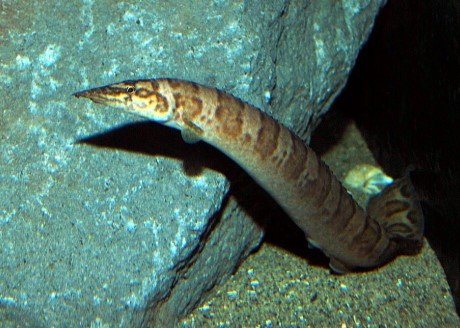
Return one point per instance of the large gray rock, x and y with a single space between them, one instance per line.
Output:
112 230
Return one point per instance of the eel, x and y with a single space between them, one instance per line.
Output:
286 167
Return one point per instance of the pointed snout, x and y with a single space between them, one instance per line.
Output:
84 94
98 95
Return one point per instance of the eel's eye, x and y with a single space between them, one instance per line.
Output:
130 90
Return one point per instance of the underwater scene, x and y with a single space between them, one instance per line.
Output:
187 164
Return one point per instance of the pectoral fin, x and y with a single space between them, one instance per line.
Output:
191 133
190 136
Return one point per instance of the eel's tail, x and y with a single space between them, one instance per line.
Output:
397 209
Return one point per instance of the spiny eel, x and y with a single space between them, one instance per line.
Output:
284 166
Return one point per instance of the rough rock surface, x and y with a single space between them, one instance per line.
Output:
112 229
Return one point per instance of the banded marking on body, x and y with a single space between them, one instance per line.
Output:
287 168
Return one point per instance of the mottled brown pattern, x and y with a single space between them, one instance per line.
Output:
144 93
226 100
247 138
367 240
395 206
162 102
176 116
117 92
309 177
401 228
179 100
194 107
343 212
184 88
296 160
154 85
267 137
278 159
175 84
325 183
359 238
230 120
192 126
191 105
287 168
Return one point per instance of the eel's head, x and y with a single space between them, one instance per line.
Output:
142 97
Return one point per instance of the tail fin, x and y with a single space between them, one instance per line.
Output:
398 210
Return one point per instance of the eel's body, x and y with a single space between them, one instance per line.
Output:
284 166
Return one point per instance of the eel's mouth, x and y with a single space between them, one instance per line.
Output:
103 95
93 94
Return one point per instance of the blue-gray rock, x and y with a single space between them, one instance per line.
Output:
107 224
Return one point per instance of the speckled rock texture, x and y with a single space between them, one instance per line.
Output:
104 223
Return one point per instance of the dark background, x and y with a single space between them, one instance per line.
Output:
403 95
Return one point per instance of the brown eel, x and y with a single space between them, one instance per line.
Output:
287 168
